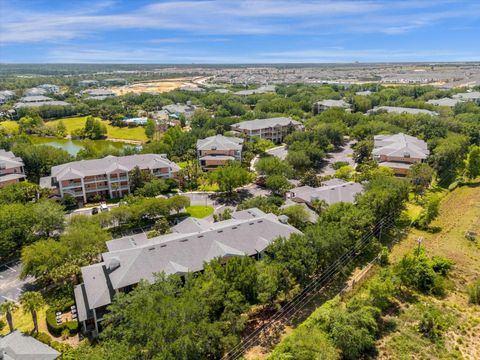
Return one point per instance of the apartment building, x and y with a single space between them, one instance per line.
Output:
11 168
330 191
216 150
401 110
274 129
399 152
193 243
107 177
323 105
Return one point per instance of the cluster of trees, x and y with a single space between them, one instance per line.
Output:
94 129
210 306
349 329
22 223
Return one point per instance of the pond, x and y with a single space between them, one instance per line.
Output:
74 146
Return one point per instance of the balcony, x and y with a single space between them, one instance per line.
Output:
96 179
117 179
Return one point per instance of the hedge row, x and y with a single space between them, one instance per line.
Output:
57 329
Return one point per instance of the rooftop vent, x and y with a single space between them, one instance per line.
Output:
163 245
185 240
283 219
219 231
113 264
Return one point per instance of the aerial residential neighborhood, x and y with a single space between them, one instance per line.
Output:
257 180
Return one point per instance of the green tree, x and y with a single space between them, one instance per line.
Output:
447 156
150 129
429 213
30 124
152 188
472 162
420 175
31 302
39 159
49 218
21 192
272 165
298 216
278 184
7 308
230 176
299 160
362 151
345 173
178 202
319 205
137 178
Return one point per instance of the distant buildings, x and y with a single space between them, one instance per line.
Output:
193 243
331 191
261 90
18 346
6 95
399 152
323 105
50 88
364 93
88 83
136 121
107 177
273 129
444 102
98 94
468 96
39 100
401 110
177 110
11 168
216 150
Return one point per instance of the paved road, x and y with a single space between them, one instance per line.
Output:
344 155
280 152
10 284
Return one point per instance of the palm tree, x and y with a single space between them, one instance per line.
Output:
31 302
7 308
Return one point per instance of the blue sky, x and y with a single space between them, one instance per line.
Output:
238 31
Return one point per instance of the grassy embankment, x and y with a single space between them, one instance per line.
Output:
459 213
199 211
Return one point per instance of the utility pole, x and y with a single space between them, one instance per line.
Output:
419 242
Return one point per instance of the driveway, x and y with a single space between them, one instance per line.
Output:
11 286
280 152
345 155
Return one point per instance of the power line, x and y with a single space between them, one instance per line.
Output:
311 288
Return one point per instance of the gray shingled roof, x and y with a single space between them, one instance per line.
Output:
401 110
18 346
444 102
9 160
334 103
399 145
220 142
111 163
265 123
474 95
341 191
128 262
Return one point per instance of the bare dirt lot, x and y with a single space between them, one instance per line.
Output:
157 86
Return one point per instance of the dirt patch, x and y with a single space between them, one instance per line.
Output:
157 86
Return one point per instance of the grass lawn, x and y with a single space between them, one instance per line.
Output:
199 211
9 125
113 132
23 321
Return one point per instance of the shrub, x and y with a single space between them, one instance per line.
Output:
2 325
432 325
474 292
58 329
43 337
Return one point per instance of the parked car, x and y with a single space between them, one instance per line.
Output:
104 207
94 211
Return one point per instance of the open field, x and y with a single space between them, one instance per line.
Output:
74 123
125 133
156 86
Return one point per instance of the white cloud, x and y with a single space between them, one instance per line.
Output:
215 17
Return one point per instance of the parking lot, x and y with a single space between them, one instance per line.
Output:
11 286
